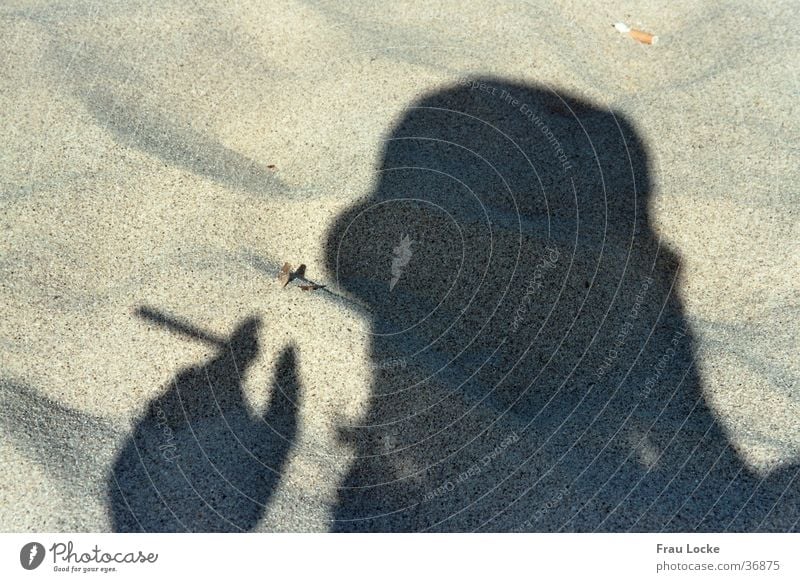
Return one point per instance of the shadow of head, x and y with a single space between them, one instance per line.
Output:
469 174
503 213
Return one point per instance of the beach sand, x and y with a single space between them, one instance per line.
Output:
167 160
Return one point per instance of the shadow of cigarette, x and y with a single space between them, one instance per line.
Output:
175 325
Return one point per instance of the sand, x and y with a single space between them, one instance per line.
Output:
167 160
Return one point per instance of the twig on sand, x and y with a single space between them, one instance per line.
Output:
286 275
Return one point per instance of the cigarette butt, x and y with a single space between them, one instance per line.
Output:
638 35
642 36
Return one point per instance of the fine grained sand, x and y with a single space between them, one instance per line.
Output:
174 157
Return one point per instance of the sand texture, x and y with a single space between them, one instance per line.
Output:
550 273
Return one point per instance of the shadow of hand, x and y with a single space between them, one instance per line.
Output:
198 459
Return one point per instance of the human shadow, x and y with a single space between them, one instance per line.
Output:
534 370
198 459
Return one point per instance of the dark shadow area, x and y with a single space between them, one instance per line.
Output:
69 448
534 370
160 134
199 460
119 97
